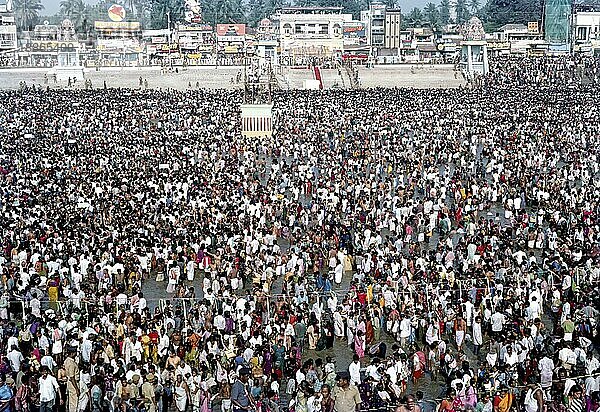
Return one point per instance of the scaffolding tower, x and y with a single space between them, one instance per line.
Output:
257 109
557 24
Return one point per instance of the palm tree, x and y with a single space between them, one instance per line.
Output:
75 11
27 13
474 5
432 15
444 12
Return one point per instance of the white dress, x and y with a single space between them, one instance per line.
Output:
180 398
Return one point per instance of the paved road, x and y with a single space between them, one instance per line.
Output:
209 77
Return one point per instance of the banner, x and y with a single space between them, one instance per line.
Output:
117 25
354 29
231 29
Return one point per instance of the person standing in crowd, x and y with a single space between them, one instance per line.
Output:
174 247
49 391
241 399
346 396
72 374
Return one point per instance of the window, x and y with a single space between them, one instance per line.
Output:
323 29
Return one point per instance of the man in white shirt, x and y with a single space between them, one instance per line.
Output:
86 350
497 320
47 360
373 370
49 390
15 357
354 370
405 331
183 369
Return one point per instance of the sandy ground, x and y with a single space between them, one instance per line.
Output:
428 76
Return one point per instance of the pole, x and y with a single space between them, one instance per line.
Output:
170 37
185 318
268 307
169 24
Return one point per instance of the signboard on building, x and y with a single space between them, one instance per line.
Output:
8 29
354 29
167 48
117 25
118 44
231 29
116 12
231 49
195 27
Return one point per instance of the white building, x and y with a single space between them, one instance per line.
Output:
311 31
8 28
519 38
586 27
374 19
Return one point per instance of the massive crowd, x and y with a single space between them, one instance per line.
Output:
385 249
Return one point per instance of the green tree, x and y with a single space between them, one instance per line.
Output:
444 12
474 6
256 11
27 13
462 11
499 12
74 10
354 7
223 11
414 18
432 14
161 8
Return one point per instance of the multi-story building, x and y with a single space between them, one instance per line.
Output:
42 45
374 19
520 39
196 40
231 40
8 28
118 43
586 31
311 31
393 23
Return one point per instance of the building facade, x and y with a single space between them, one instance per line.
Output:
393 28
311 31
374 19
8 28
586 31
